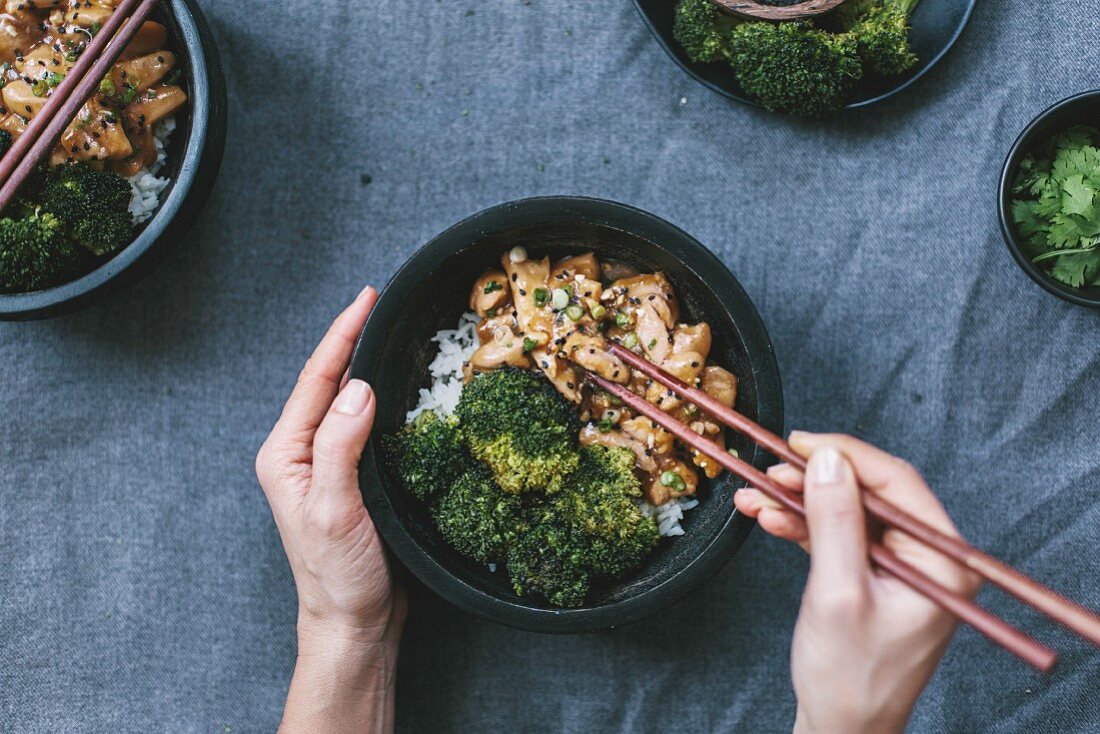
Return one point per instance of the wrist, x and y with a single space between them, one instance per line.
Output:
835 720
348 652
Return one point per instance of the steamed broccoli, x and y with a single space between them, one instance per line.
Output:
518 424
883 37
702 29
476 518
610 534
92 205
427 454
34 254
795 67
5 141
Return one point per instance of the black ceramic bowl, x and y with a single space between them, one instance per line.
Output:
1081 109
937 24
194 155
429 293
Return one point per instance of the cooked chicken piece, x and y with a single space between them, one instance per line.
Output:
95 135
14 124
497 328
720 384
566 268
684 365
19 98
86 15
561 375
652 333
651 435
593 436
504 349
695 338
19 30
40 62
590 352
143 72
525 278
152 36
640 288
154 105
710 467
657 492
490 293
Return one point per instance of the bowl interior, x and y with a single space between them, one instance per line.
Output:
937 24
430 294
1083 109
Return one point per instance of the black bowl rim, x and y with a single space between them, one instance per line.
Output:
1004 198
197 172
711 559
852 106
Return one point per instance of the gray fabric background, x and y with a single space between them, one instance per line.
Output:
142 584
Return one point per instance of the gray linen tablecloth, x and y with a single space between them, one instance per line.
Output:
142 583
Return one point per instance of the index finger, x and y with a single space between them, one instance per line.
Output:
320 379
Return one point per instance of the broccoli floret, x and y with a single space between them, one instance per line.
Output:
794 67
610 533
702 29
5 141
518 424
543 560
34 254
883 37
476 517
92 205
427 454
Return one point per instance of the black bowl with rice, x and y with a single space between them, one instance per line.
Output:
417 338
169 187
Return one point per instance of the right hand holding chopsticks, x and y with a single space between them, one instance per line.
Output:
865 644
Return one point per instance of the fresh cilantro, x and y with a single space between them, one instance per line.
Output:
1056 206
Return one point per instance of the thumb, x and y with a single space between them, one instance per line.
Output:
834 517
338 443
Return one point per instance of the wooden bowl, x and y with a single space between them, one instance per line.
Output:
760 11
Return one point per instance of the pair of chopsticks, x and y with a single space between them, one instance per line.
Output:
1065 611
69 96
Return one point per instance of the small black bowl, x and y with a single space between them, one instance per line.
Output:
194 155
429 293
937 25
1081 109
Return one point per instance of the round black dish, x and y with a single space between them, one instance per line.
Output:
194 155
429 293
1081 109
937 24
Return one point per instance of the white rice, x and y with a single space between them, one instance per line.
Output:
146 185
455 348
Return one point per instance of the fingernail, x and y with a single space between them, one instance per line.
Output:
364 292
827 466
796 435
775 468
353 399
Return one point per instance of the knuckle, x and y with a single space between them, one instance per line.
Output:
838 601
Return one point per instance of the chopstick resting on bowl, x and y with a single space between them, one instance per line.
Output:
80 83
1063 610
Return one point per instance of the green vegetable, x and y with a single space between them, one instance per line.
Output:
492 286
598 311
630 341
622 320
35 254
107 86
673 480
795 67
574 312
476 517
529 344
559 299
882 34
1056 206
541 295
92 205
427 455
519 424
54 78
702 30
40 88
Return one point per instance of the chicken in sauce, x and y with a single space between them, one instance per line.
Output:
556 317
39 43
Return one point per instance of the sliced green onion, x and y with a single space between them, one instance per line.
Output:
672 479
622 320
107 86
559 299
598 311
612 415
492 286
568 290
517 254
652 343
630 341
529 344
541 296
605 425
734 453
54 78
491 312
40 88
574 312
96 27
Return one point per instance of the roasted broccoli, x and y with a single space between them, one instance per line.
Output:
92 205
610 534
427 454
882 35
34 253
545 559
518 424
794 67
702 29
5 141
476 517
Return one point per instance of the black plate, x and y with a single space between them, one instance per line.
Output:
194 155
429 293
1080 109
937 24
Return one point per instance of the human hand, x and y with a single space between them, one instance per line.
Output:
350 613
865 644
